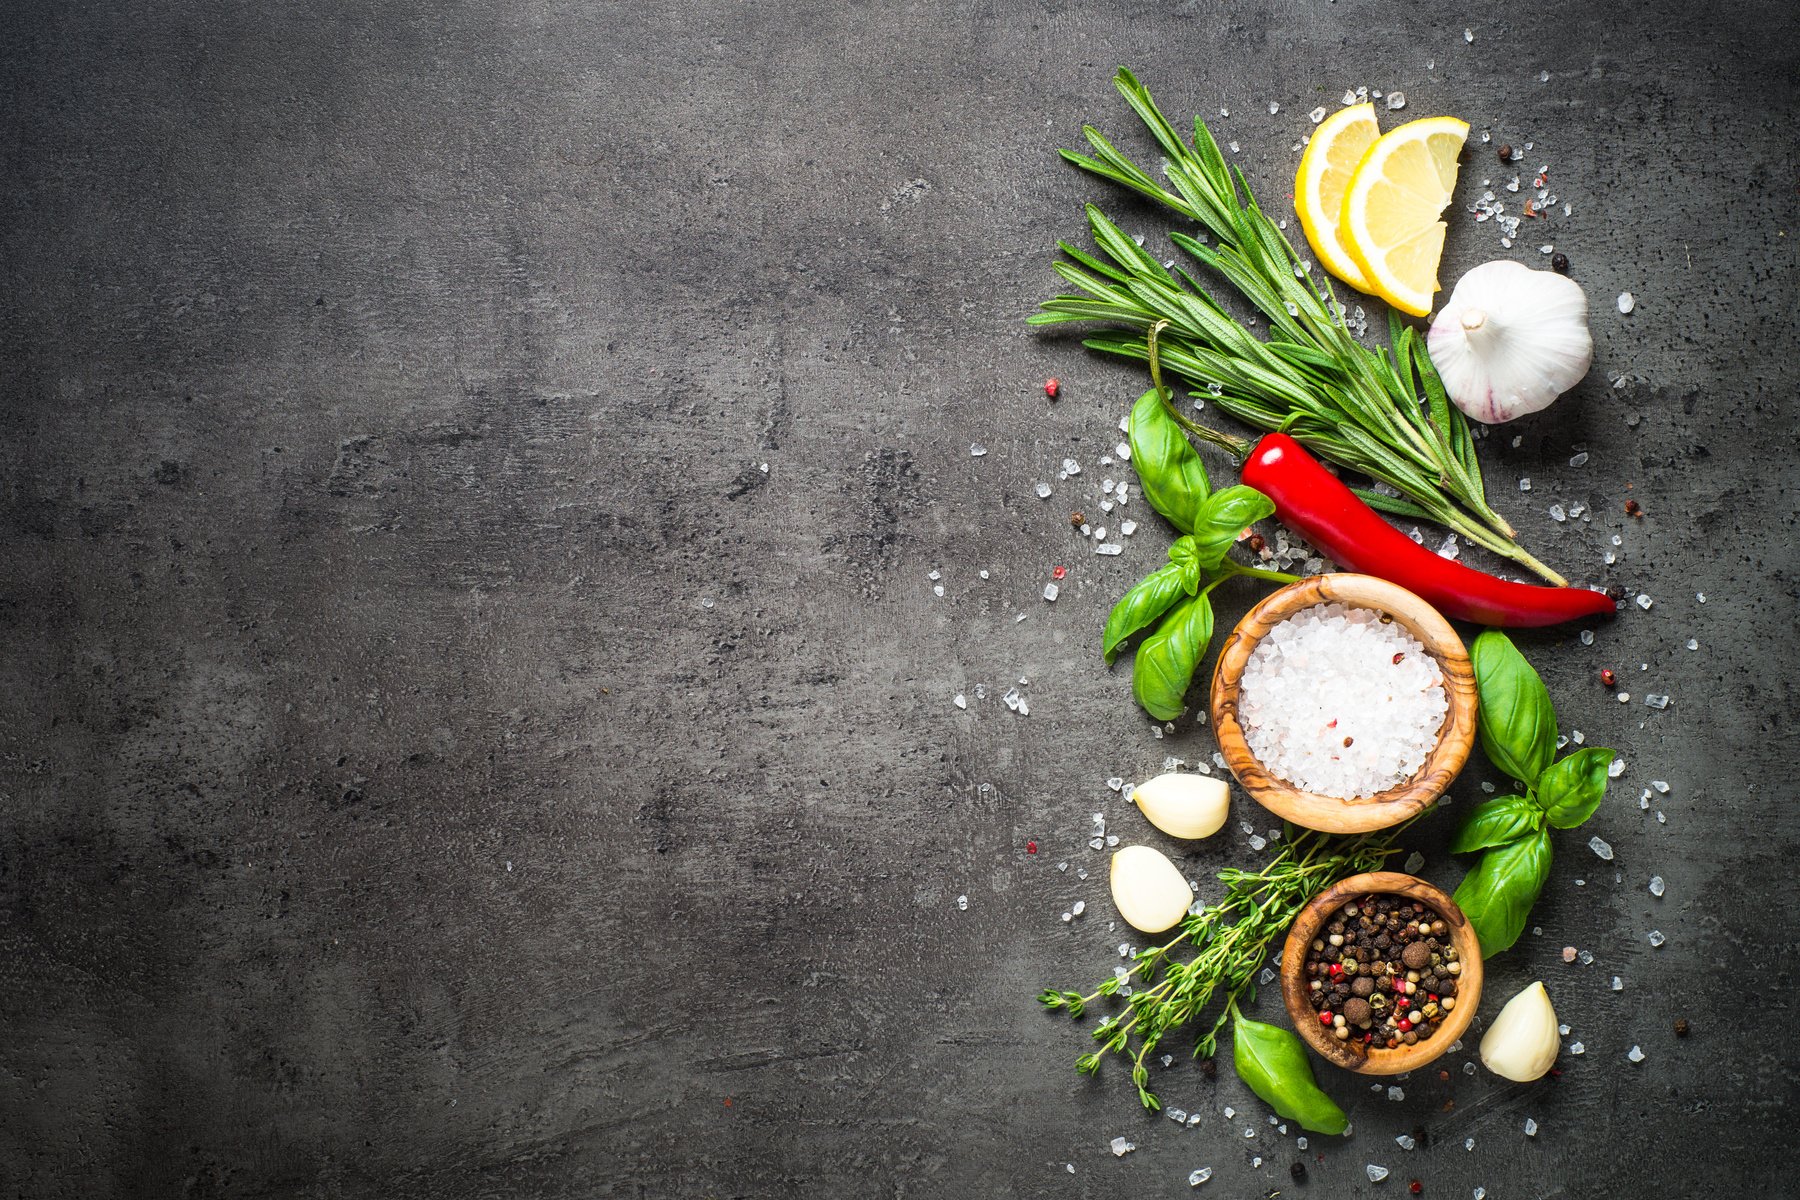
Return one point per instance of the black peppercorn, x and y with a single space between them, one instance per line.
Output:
1209 1068
1298 1171
1505 152
1681 1027
1559 262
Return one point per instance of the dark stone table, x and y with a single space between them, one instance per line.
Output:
475 719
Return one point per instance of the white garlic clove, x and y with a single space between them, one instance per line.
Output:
1510 340
1150 893
1184 806
1522 1042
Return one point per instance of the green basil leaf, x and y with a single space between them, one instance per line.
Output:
1166 660
1518 726
1496 822
1273 1062
1184 555
1153 596
1169 469
1572 789
1225 515
1498 894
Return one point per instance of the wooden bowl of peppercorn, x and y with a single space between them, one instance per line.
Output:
1373 983
1338 814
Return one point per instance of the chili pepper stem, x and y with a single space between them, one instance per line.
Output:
1258 573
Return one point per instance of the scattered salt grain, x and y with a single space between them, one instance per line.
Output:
1635 1054
1405 1141
1615 768
1531 1127
938 590
1599 846
1109 548
1587 637
1121 1147
1127 528
1051 591
1558 513
1396 101
1376 1174
1577 1048
1693 643
960 700
1618 985
1079 907
1661 785
1525 484
1274 108
1627 302
1468 36
1196 1178
962 904
1655 938
1317 114
1644 601
1656 700
1071 467
1580 460
976 450
1657 887
1395 1093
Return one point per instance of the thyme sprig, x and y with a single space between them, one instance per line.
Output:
1230 942
1383 412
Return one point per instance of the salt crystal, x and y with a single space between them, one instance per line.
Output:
1577 1048
1543 77
1067 917
1480 1193
1071 467
976 450
1468 36
1693 644
962 903
1644 601
1661 785
1233 146
1656 938
1121 1147
1127 528
1586 957
1618 985
1635 1054
1587 637
1662 818
1615 768
1546 249
938 590
1700 596
1657 887
1376 1174
1655 700
1598 845
1109 548
1414 861
1557 513
1079 907
1123 451
1317 114
1257 843
1531 1127
1395 1093
1300 1143
1198 1177
1249 1133
1230 1113
1051 591
1468 1068
960 700
1626 302
1100 533
1274 108
1624 697
1396 101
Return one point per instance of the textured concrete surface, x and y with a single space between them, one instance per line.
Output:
438 759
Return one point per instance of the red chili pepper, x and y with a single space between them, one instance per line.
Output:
1051 387
1031 847
1313 503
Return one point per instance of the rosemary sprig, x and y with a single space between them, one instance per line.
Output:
1230 942
1360 408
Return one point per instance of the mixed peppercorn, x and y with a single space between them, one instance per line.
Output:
1383 972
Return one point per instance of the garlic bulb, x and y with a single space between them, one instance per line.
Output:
1523 1040
1184 806
1510 340
1148 889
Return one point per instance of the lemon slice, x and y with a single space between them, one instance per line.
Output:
1337 146
1390 217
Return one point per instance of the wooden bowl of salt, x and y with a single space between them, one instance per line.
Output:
1315 724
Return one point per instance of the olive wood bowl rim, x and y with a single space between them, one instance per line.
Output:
1294 984
1334 814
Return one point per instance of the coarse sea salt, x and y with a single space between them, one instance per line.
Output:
1339 702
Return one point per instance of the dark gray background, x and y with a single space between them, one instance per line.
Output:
387 812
